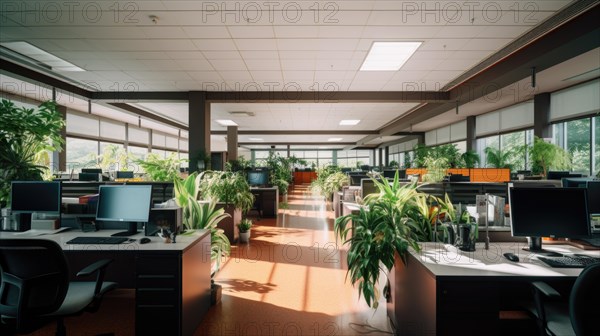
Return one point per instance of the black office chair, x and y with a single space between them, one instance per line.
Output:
35 287
256 206
578 316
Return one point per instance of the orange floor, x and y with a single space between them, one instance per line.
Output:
291 280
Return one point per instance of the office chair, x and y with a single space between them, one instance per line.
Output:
35 287
256 206
579 315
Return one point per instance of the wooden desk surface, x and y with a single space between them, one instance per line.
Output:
446 261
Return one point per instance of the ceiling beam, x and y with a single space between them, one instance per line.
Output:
295 143
148 115
327 97
298 132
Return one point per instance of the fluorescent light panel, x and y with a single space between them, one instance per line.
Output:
35 53
349 122
226 122
255 139
389 56
334 139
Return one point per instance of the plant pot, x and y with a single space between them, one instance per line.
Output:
245 237
215 293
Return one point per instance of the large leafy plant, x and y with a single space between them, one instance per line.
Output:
25 134
202 215
497 158
159 169
545 156
227 187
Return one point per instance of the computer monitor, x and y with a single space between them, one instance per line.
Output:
92 170
574 182
124 174
593 192
558 175
356 178
258 178
35 196
124 203
89 177
391 173
548 212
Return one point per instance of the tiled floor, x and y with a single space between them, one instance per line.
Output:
291 280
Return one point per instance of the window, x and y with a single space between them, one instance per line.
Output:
81 154
596 149
136 153
578 144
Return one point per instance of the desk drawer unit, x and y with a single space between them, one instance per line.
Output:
158 294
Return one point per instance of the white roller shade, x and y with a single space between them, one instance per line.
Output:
112 130
443 135
82 124
458 131
138 135
517 116
171 142
488 123
430 138
575 101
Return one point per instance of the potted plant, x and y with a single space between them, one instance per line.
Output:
469 159
25 136
232 191
495 158
244 227
545 156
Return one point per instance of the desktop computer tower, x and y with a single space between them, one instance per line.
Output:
170 218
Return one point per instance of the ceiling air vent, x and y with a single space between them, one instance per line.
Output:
242 113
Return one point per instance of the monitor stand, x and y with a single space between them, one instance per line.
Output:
535 246
131 230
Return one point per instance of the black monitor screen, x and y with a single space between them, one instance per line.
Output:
355 179
124 203
557 175
391 173
549 212
258 178
593 189
92 170
124 174
35 196
89 177
575 182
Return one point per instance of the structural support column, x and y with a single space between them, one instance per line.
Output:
541 115
386 159
471 134
232 143
199 128
381 158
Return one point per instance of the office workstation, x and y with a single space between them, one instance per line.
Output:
151 266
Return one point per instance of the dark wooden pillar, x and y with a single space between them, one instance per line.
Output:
199 128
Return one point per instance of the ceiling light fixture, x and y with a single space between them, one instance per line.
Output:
255 139
389 56
40 56
349 122
334 139
226 122
242 113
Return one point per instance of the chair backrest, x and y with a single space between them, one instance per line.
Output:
34 279
584 301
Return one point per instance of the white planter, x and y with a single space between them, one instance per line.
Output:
245 237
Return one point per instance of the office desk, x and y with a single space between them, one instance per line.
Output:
444 291
171 281
269 200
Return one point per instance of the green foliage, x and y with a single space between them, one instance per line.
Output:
24 135
227 187
202 216
393 164
546 156
114 157
241 164
496 158
281 169
469 159
323 187
436 169
282 185
159 169
448 152
245 225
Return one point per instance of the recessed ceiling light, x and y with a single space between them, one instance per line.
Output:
34 53
226 122
334 139
255 139
388 56
349 122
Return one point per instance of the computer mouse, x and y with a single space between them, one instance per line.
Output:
145 240
511 256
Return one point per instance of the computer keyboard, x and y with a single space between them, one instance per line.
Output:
97 240
569 261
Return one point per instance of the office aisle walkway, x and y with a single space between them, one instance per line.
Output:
291 280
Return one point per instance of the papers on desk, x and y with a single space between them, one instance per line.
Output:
38 232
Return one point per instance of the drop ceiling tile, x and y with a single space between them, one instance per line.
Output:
264 64
158 75
325 76
486 44
296 31
259 54
298 75
298 44
161 32
442 76
400 33
213 32
214 44
253 32
160 65
470 54
501 31
145 45
94 65
297 55
415 64
338 44
267 76
241 76
256 44
114 75
445 44
194 65
456 64
337 31
227 65
134 55
293 65
185 55
222 55
332 65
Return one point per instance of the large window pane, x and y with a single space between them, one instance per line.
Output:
136 153
578 144
597 145
81 154
514 142
113 157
